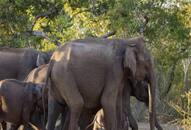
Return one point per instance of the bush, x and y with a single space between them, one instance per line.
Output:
183 109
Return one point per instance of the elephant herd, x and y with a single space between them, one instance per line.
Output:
85 84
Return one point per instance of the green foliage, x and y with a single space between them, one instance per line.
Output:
16 17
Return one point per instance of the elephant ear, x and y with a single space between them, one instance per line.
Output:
41 59
38 90
130 60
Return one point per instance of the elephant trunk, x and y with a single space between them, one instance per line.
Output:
151 91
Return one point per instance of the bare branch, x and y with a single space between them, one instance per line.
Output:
109 34
41 34
44 36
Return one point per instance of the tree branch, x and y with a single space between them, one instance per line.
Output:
50 13
44 36
109 34
79 12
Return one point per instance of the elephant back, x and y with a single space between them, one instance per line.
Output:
37 75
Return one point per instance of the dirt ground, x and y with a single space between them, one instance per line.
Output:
145 126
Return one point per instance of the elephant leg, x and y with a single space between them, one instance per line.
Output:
63 117
109 109
157 124
4 125
72 97
127 107
86 119
120 116
109 102
75 111
67 121
27 127
53 112
132 121
14 126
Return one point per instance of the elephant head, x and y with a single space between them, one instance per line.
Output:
37 91
139 65
34 94
43 58
140 91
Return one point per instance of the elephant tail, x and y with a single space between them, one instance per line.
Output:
51 63
1 103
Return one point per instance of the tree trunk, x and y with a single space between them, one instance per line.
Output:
186 63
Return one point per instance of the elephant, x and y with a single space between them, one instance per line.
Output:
16 63
91 73
140 92
38 76
99 120
20 103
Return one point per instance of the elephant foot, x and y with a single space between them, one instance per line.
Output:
134 128
159 127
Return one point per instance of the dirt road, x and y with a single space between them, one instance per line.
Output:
145 126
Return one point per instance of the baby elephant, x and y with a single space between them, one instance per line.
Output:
99 121
20 102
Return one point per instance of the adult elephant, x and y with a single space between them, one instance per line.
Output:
16 63
20 103
90 73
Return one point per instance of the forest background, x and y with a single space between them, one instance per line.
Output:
165 24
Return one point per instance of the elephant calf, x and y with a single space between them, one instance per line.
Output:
20 102
99 121
38 75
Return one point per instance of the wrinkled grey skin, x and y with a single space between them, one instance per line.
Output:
16 63
90 75
19 101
